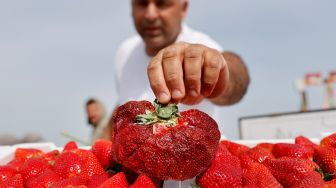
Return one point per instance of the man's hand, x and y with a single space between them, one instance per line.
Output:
188 73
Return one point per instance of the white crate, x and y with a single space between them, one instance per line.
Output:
7 152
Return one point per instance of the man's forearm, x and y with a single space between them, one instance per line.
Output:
239 80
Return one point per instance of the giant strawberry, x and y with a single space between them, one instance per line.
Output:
160 142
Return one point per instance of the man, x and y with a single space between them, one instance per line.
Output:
97 119
182 65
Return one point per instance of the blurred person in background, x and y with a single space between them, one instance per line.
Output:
170 61
97 118
9 139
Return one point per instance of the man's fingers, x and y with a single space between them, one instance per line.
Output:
213 63
173 72
157 81
193 61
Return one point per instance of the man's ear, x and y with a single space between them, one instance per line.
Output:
185 4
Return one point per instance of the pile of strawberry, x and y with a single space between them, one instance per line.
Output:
302 164
72 167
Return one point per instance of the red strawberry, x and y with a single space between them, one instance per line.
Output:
245 161
68 164
103 151
6 171
256 154
329 141
116 181
51 156
161 143
234 148
266 146
15 181
259 176
293 150
259 154
225 171
301 140
294 173
91 165
97 180
33 167
310 180
143 181
71 145
47 179
26 153
330 184
16 163
325 157
70 182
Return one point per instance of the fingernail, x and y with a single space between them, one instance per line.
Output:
177 94
193 93
163 97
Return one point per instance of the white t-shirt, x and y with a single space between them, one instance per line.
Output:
131 70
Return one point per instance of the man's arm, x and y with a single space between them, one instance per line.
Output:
238 80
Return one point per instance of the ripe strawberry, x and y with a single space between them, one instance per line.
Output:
329 141
259 154
302 140
310 180
51 156
222 149
97 180
103 151
293 150
70 182
225 171
161 143
15 181
330 184
258 175
116 181
68 164
325 157
245 161
234 148
26 153
292 172
266 146
91 165
47 179
143 181
16 163
71 145
33 167
6 171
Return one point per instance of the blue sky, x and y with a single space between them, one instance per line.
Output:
56 54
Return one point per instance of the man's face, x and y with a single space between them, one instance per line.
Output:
94 113
158 21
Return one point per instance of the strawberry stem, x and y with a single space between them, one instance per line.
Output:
166 114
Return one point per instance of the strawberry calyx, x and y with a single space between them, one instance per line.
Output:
163 114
